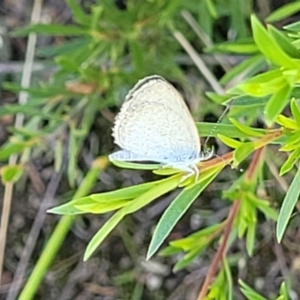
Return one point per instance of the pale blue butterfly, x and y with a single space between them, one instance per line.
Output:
154 124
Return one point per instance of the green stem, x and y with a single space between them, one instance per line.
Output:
56 239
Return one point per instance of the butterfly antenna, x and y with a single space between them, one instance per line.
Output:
228 106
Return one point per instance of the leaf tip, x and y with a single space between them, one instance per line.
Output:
279 231
50 210
150 253
86 256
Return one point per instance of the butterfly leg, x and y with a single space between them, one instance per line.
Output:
191 170
196 171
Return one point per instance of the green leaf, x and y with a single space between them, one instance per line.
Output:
196 241
11 173
165 170
277 103
228 130
244 69
100 208
136 166
291 143
243 151
103 201
242 227
240 47
125 193
229 142
247 222
284 12
212 9
295 27
263 206
246 129
238 14
88 205
296 93
288 205
250 238
58 155
72 157
40 93
229 280
295 111
28 110
290 147
78 14
286 122
102 234
264 84
218 289
165 186
284 292
248 101
219 99
249 293
15 147
187 243
67 48
50 29
188 258
68 64
269 47
65 209
284 42
290 162
175 211
27 134
136 52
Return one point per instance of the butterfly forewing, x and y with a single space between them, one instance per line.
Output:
155 123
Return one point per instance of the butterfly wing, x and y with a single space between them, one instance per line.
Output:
155 124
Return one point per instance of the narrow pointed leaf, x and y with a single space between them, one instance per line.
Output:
284 11
277 103
165 186
174 212
136 166
287 207
286 122
243 151
290 162
284 42
124 193
269 47
229 142
250 132
295 111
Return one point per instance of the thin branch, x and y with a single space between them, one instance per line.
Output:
221 251
221 59
227 228
199 62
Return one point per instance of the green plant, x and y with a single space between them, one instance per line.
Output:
277 85
96 68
